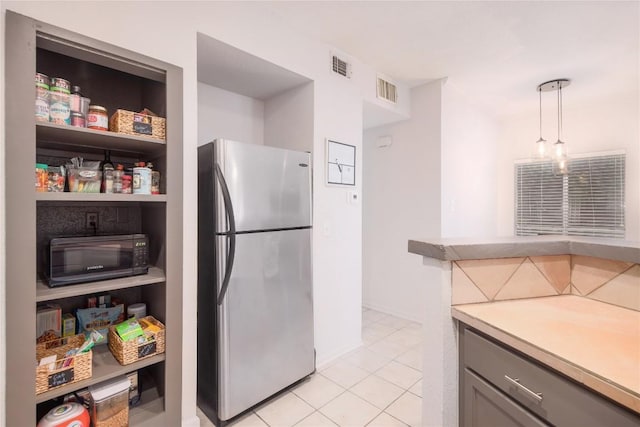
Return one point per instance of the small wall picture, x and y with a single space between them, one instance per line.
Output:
341 163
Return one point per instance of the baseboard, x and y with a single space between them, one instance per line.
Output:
388 310
191 422
323 363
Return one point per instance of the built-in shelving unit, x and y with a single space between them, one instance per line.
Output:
115 78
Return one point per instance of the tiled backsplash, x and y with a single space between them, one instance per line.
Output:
614 282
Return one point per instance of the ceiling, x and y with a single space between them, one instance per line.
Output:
496 53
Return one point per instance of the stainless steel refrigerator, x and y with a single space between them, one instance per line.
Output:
255 307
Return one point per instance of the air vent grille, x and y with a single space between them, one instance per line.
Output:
387 91
341 67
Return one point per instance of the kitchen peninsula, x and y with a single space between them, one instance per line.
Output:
556 314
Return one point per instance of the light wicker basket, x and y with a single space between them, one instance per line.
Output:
79 369
127 352
127 122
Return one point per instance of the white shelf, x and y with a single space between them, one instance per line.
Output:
51 135
100 197
45 293
105 367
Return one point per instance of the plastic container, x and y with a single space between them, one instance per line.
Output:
138 310
42 178
71 414
110 403
84 180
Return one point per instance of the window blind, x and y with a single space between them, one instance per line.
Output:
589 201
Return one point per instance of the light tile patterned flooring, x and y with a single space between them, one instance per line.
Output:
378 385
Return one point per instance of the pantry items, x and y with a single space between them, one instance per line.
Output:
107 173
97 118
70 414
110 402
137 310
75 99
77 119
84 176
144 123
155 179
141 179
68 325
63 361
149 344
127 185
99 319
48 322
59 97
118 173
42 97
42 178
55 179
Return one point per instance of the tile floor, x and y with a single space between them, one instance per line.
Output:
377 385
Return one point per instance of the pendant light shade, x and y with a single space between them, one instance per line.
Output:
558 152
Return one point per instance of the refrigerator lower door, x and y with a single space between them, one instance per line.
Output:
266 319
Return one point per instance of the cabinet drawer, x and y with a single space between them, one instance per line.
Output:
486 406
545 393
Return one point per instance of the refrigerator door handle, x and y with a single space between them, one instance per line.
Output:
231 234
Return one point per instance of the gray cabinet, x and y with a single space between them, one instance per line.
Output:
114 78
501 387
485 405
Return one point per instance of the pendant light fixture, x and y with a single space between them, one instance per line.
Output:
559 150
541 143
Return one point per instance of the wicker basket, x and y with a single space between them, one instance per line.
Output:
79 369
127 352
130 123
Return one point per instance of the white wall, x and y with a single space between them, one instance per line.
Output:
170 28
608 122
228 115
288 119
469 167
401 201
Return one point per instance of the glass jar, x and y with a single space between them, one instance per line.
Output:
97 118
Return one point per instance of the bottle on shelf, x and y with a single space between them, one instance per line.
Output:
107 173
118 174
155 179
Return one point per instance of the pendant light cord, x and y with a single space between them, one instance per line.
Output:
540 92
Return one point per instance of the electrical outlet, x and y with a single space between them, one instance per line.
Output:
92 220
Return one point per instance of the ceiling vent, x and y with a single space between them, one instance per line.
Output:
387 91
340 66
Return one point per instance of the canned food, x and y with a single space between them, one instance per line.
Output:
60 85
59 109
42 97
97 118
77 119
141 180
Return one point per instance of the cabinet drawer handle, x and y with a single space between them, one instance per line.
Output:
516 382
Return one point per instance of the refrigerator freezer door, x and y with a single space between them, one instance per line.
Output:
266 319
270 187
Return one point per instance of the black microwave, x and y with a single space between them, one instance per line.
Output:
74 260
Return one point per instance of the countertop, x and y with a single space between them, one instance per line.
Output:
594 343
507 247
